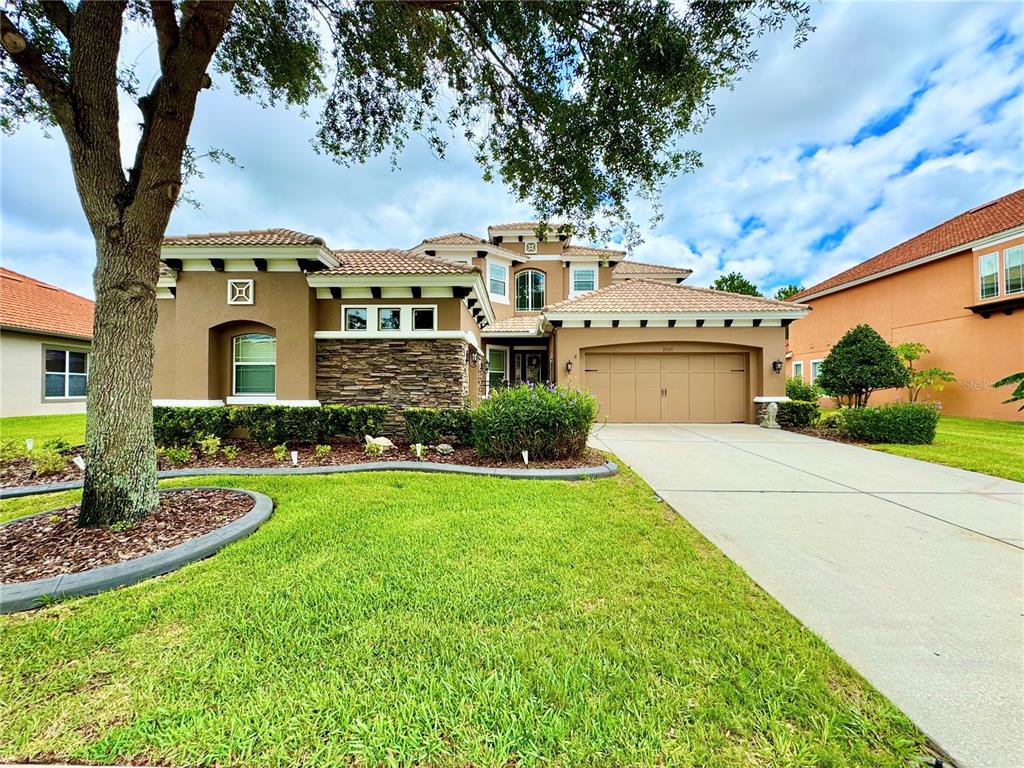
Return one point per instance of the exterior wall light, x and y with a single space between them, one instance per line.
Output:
777 366
568 366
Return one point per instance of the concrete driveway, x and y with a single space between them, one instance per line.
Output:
913 572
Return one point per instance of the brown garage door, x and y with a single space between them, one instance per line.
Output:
668 387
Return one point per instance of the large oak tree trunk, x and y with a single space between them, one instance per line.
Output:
120 469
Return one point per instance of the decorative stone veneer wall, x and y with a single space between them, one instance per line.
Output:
399 373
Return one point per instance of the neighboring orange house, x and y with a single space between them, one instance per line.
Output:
957 288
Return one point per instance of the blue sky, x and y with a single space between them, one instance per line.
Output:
890 119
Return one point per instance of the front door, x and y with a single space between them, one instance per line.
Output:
530 365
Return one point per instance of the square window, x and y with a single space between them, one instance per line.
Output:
355 318
240 291
423 319
56 361
76 385
54 385
65 373
76 362
583 280
389 319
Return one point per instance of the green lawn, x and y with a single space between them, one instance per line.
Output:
69 426
404 619
982 445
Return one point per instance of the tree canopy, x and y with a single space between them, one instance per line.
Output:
734 282
786 291
858 364
909 352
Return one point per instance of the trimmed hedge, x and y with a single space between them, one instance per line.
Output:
270 424
907 423
549 422
431 426
798 413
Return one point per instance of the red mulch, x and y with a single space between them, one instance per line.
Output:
251 454
51 544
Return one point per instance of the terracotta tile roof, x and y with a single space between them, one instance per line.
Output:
640 268
518 225
985 220
583 250
515 324
393 262
456 238
649 296
37 306
246 237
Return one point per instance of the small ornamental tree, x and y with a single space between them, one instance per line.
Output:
858 364
734 282
921 378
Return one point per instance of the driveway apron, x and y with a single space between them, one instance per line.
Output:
912 571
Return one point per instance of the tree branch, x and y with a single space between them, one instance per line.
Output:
51 86
58 14
166 27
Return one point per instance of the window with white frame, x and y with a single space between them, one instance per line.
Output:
240 291
798 369
530 291
988 271
1013 269
66 373
584 279
389 319
424 319
815 370
255 364
355 318
497 280
497 367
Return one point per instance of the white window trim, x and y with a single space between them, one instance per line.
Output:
248 292
515 289
377 308
355 331
1006 271
498 298
65 398
412 318
373 329
487 358
573 269
251 397
810 368
800 364
981 275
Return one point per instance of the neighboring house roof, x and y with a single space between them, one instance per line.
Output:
628 267
30 304
649 296
393 262
520 225
455 238
980 222
582 250
517 324
276 236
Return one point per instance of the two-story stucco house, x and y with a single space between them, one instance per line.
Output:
957 288
277 316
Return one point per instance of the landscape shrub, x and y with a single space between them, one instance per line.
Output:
209 446
907 423
174 425
549 422
58 444
798 413
357 420
11 450
859 363
431 426
273 424
47 461
281 452
832 420
178 454
798 389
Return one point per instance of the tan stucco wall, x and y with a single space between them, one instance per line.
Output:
21 375
763 345
926 304
194 324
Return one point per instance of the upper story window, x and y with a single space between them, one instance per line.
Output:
530 291
497 280
355 318
67 373
1013 268
255 364
389 319
584 279
988 270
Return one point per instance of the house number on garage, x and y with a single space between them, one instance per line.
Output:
668 349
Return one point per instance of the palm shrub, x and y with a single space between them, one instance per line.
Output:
1018 393
798 389
858 364
430 426
908 423
549 422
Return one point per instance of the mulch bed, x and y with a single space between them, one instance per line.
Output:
250 454
825 434
51 544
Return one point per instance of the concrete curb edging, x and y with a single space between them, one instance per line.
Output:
607 469
28 594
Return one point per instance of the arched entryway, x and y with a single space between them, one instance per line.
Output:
243 360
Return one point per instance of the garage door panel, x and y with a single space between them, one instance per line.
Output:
730 363
702 396
702 363
730 399
648 395
623 396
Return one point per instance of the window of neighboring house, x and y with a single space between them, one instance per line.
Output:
530 291
255 364
798 369
498 280
389 319
497 367
815 369
423 319
355 318
988 267
584 279
1013 268
66 374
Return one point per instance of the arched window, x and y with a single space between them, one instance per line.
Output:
254 364
530 291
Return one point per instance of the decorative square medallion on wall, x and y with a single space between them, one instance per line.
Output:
240 291
530 247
